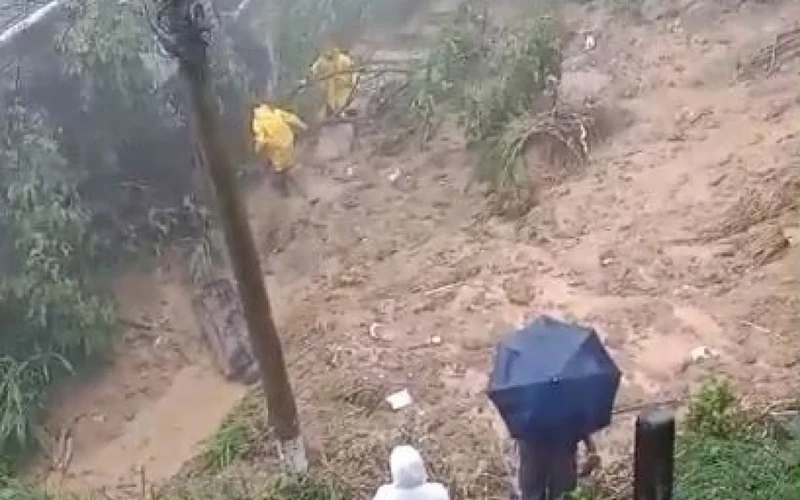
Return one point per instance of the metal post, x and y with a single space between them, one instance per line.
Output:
654 455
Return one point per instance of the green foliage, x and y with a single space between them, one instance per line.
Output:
439 79
228 444
306 488
522 64
49 314
735 469
11 490
494 76
104 43
714 411
238 434
723 454
280 488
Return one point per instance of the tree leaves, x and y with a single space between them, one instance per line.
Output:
49 314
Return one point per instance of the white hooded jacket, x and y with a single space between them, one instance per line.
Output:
409 479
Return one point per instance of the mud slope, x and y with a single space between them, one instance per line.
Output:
680 233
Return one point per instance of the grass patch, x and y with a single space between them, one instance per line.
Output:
240 432
728 452
245 488
735 469
723 450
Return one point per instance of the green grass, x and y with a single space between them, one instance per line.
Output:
241 431
735 469
723 452
279 488
227 445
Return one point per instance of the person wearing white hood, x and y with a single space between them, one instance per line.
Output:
409 478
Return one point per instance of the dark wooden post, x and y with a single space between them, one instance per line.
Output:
182 28
654 455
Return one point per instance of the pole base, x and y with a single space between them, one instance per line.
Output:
293 455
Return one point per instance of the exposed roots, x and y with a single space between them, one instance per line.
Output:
539 150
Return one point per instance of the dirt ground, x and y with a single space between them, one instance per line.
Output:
681 232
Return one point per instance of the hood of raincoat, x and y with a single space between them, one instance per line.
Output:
408 469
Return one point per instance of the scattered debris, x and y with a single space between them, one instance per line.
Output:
373 331
589 42
756 327
394 175
399 400
771 58
703 353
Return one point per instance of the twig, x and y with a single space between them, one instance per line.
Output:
361 70
442 288
143 483
642 406
68 453
756 327
773 55
135 324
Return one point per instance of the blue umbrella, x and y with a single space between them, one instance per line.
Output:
553 382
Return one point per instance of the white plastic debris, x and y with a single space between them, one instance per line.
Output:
435 340
589 42
394 175
703 353
399 400
409 478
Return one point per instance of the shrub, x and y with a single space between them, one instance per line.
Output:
50 315
723 454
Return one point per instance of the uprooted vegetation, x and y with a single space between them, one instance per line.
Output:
501 82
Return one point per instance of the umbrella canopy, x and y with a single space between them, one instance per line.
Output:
553 382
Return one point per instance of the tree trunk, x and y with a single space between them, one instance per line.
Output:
247 270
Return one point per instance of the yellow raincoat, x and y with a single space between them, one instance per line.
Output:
273 135
336 78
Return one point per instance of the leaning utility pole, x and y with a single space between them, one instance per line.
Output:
183 28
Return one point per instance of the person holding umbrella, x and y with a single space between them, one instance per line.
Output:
548 472
554 384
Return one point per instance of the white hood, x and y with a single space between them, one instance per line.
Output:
409 479
408 469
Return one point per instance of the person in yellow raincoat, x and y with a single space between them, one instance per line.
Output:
334 72
273 137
